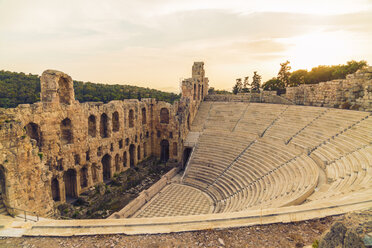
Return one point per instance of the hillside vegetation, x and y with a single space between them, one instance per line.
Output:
20 88
321 73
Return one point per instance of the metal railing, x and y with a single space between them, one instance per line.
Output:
24 212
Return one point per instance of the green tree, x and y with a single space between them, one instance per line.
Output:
283 74
351 66
297 77
19 88
256 83
245 85
238 86
274 84
211 91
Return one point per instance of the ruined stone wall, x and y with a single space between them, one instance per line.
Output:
194 90
61 147
263 97
354 92
26 177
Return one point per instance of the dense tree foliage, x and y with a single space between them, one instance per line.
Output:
19 88
256 83
297 77
213 91
317 74
246 87
274 84
238 87
283 74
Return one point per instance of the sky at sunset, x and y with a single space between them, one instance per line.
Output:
153 43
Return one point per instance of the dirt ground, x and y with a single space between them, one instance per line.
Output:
274 235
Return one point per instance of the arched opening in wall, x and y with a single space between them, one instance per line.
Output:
138 153
92 126
186 156
131 118
125 159
164 115
64 94
202 91
115 122
194 97
175 149
188 122
70 184
55 190
198 91
132 150
2 184
66 132
106 167
104 126
144 116
164 152
144 150
94 172
83 177
33 131
117 163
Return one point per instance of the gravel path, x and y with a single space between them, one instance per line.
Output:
274 235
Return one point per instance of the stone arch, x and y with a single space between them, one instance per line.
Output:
164 115
198 91
138 153
144 150
186 156
164 150
132 151
104 126
83 177
106 167
144 115
55 189
115 122
117 163
175 149
69 178
194 97
188 122
94 172
65 96
131 118
3 193
125 159
66 132
33 131
92 126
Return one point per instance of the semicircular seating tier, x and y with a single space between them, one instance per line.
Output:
255 156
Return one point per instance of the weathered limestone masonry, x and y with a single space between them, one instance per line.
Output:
54 150
195 89
262 97
354 92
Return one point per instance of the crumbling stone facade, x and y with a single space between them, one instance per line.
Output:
55 149
354 92
262 97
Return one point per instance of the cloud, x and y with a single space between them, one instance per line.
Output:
156 41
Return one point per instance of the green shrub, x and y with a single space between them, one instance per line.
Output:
315 244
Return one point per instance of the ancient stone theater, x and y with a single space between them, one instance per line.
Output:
241 159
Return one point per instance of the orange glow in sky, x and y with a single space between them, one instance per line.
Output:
153 43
